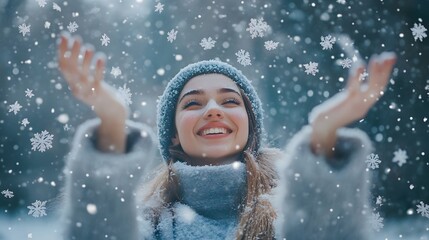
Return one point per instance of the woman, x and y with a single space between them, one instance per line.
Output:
218 181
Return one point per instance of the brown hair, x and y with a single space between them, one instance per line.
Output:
257 214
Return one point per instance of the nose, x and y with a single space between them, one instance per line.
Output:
213 111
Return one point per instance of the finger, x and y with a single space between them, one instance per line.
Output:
380 69
87 57
99 69
354 81
62 48
75 50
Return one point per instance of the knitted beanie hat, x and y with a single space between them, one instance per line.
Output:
166 108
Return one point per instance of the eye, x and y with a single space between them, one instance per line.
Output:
233 101
190 103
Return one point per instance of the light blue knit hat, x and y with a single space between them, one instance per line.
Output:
166 108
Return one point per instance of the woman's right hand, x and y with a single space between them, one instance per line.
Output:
87 84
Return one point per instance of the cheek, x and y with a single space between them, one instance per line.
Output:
185 123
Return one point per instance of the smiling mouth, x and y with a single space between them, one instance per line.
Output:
214 131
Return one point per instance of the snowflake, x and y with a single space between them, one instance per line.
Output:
327 42
116 71
207 43
25 122
257 27
105 40
66 127
15 107
159 7
363 76
400 157
372 161
42 141
341 1
418 32
72 27
171 35
41 3
376 221
24 29
38 209
379 201
29 93
47 24
7 193
423 209
56 7
243 57
311 68
346 63
271 45
126 94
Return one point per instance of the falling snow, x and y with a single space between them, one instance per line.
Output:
72 27
105 40
207 43
376 222
419 32
271 45
7 194
311 68
29 93
24 29
126 94
400 157
41 141
56 7
25 122
38 209
243 57
42 3
372 161
257 27
171 35
379 201
327 42
159 7
346 63
47 25
423 209
15 107
116 71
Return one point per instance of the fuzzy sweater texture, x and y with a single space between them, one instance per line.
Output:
314 199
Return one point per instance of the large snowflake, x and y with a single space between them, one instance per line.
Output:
38 209
372 161
257 27
376 222
423 209
42 141
271 45
116 71
171 35
105 40
126 94
29 93
41 3
15 107
311 68
419 32
400 157
346 63
24 29
159 7
7 194
207 43
327 42
243 57
72 27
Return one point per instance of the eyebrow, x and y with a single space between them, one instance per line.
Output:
200 92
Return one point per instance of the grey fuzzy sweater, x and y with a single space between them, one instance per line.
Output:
314 199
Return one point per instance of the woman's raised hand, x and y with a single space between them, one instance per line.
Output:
86 82
87 85
353 103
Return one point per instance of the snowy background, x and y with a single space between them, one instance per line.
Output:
289 49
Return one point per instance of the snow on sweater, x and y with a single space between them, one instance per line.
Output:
314 199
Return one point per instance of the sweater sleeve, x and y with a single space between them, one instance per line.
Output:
100 187
321 200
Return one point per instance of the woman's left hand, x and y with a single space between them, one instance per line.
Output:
353 103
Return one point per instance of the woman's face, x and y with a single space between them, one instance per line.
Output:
211 120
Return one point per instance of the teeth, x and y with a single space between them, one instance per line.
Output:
214 131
